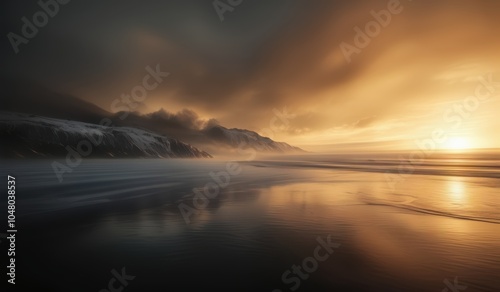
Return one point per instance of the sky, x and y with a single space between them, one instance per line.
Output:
415 74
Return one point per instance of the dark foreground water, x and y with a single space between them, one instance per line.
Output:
341 220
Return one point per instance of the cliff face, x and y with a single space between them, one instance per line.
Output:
34 136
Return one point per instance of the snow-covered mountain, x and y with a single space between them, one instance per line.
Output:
35 136
27 97
247 139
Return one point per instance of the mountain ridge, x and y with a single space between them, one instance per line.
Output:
37 136
30 98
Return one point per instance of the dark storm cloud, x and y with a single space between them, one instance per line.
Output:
99 46
99 40
184 119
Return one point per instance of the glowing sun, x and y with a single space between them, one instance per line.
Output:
457 143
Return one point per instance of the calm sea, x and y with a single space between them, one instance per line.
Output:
396 225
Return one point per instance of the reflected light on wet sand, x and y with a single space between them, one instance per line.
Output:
457 191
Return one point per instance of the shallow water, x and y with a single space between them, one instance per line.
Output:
417 235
